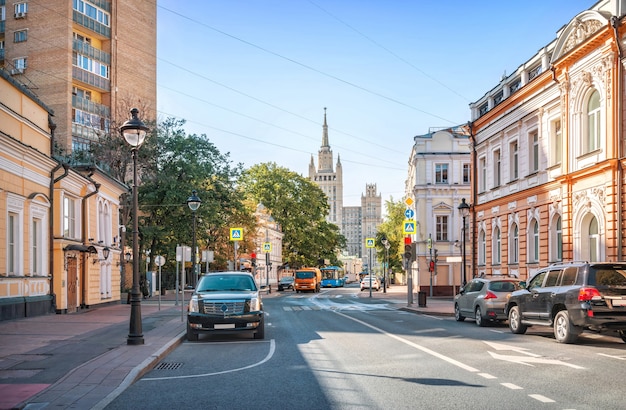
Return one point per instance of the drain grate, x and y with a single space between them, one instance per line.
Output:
168 366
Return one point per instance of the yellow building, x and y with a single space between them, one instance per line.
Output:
548 154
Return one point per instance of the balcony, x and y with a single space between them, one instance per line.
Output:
91 24
90 106
87 50
89 78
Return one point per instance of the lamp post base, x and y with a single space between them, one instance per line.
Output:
135 335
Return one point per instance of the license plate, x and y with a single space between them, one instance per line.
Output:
618 302
224 326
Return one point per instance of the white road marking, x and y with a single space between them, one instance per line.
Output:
414 345
512 386
541 398
525 360
189 376
487 376
612 357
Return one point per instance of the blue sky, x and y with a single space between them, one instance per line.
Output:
254 76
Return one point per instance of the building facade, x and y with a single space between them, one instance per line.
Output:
371 217
438 180
90 61
549 152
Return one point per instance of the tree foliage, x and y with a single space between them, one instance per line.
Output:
391 228
300 207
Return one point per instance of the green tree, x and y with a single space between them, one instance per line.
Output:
300 207
391 228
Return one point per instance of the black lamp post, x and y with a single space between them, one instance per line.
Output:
194 203
134 132
386 244
464 209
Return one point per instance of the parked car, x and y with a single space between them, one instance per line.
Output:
370 282
572 297
484 299
285 283
226 302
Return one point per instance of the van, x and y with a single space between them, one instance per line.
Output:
308 279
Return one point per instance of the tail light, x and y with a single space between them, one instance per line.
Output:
588 294
490 295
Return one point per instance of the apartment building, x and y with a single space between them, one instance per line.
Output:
438 180
549 152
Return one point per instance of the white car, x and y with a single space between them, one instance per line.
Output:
370 282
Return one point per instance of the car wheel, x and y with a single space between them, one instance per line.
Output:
260 330
191 336
457 313
478 315
622 334
515 321
564 330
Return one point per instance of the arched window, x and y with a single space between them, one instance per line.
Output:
533 241
482 248
497 241
556 242
514 244
592 140
594 240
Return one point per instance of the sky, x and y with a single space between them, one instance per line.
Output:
254 76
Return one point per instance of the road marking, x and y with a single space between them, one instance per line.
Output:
487 376
414 345
525 360
612 357
512 386
269 355
541 398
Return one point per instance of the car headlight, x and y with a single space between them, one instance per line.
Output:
255 304
193 304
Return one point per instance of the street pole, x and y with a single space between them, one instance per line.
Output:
464 209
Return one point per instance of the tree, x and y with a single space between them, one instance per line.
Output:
391 228
300 207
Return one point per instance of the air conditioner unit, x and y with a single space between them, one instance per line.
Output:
17 71
20 15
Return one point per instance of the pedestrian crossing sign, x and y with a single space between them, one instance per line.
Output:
236 234
408 228
369 242
267 246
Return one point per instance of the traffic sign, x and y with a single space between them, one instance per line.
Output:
408 227
267 246
159 260
408 201
236 234
369 242
409 213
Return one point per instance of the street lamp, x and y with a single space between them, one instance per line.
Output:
464 209
134 132
386 244
194 203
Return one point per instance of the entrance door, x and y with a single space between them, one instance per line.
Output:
72 284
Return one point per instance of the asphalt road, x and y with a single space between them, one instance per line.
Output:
337 350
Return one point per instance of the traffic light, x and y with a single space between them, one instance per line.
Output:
408 249
436 260
253 259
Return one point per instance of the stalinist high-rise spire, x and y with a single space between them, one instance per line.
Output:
325 132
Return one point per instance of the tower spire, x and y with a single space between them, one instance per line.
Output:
325 132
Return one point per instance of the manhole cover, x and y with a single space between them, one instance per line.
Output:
168 366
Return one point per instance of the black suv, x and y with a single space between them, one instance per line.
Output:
572 297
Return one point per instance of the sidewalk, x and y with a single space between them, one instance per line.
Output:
82 360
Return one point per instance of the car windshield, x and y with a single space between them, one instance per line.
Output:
304 275
287 279
229 282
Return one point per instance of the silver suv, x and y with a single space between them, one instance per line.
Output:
572 297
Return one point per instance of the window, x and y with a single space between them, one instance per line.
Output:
482 169
37 246
514 162
592 142
20 36
556 142
441 173
594 240
515 85
483 109
533 241
20 63
534 72
534 152
21 9
482 248
466 173
12 244
91 11
514 244
69 217
497 241
91 65
441 228
556 244
497 168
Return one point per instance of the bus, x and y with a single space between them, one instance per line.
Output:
332 277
